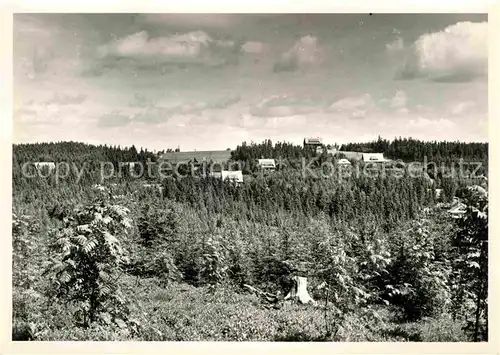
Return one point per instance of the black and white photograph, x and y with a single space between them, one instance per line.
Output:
250 177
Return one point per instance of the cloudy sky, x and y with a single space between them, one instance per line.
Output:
212 81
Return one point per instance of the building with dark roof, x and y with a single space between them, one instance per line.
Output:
313 142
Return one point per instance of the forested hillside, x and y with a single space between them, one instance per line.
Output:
104 260
77 152
408 149
399 149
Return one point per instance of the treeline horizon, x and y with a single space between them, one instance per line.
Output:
91 156
381 145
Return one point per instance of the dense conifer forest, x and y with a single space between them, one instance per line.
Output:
124 258
409 149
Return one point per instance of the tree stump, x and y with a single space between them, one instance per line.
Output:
299 291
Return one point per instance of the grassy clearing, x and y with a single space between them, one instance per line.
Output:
215 155
180 312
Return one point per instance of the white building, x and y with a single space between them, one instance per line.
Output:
268 164
373 157
234 176
313 141
344 162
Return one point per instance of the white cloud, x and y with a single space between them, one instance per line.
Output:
145 111
191 47
282 106
287 123
141 100
461 108
458 53
253 47
66 99
31 116
225 102
114 119
399 100
304 54
395 46
225 43
397 103
193 19
39 51
191 37
50 110
46 113
280 111
352 103
199 106
140 44
359 114
356 107
29 25
425 109
431 125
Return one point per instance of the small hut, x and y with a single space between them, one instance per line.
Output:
233 176
266 164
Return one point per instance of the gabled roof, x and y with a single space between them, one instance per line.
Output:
313 140
373 157
266 163
344 161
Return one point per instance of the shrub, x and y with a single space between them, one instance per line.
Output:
213 269
27 256
418 281
470 281
87 260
